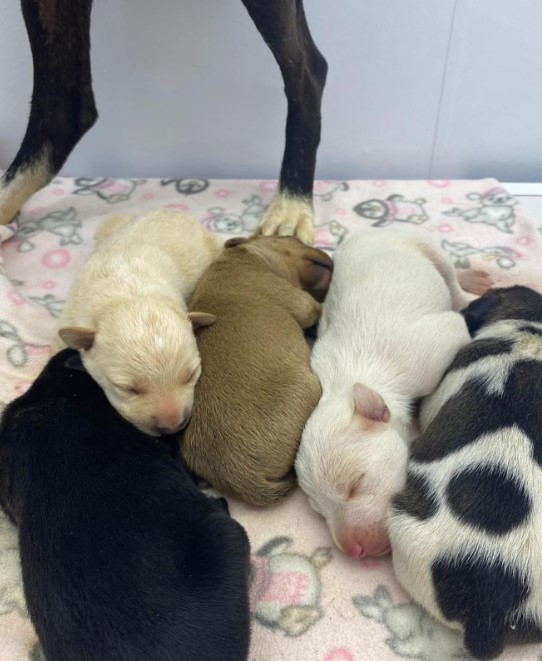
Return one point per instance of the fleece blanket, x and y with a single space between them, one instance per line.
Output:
309 602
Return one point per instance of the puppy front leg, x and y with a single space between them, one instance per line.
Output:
62 107
283 25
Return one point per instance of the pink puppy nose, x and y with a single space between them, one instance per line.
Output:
355 551
173 429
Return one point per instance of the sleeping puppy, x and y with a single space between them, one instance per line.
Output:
388 331
256 390
466 532
123 559
126 313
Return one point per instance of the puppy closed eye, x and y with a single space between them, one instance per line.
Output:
352 490
128 390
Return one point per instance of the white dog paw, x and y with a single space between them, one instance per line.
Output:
288 216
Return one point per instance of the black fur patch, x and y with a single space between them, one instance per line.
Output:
485 497
473 412
416 499
481 597
529 328
517 303
479 349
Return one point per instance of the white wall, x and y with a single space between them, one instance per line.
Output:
416 89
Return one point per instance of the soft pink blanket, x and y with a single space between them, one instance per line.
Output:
309 602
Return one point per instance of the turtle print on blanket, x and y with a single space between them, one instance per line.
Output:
395 208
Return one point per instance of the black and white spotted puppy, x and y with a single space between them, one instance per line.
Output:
466 532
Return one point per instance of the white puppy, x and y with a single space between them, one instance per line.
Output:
387 334
126 313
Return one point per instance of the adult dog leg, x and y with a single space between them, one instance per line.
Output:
62 107
283 26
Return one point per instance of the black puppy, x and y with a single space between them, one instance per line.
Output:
63 107
123 559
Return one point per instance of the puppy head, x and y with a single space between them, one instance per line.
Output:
308 268
144 356
351 463
505 303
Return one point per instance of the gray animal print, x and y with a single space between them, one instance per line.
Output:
329 235
62 223
460 252
393 209
414 633
4 273
187 186
109 190
18 352
50 303
220 220
285 587
496 208
327 194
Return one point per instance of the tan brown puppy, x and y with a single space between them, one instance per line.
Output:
256 389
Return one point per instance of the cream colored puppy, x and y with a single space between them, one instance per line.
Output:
127 315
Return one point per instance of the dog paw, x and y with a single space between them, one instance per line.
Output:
288 216
475 282
314 315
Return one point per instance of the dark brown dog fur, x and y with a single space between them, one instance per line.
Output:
256 390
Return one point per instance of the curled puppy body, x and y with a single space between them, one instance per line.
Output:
388 331
123 559
256 390
127 314
466 532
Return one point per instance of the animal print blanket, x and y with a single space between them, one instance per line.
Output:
309 601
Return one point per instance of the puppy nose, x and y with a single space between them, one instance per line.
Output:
165 431
355 551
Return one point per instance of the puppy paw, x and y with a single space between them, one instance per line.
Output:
475 282
314 315
288 216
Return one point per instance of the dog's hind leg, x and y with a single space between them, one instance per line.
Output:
283 25
476 282
62 107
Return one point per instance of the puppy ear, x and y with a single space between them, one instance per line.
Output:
199 319
314 271
370 405
479 312
236 241
77 337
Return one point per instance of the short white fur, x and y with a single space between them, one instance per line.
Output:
388 324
